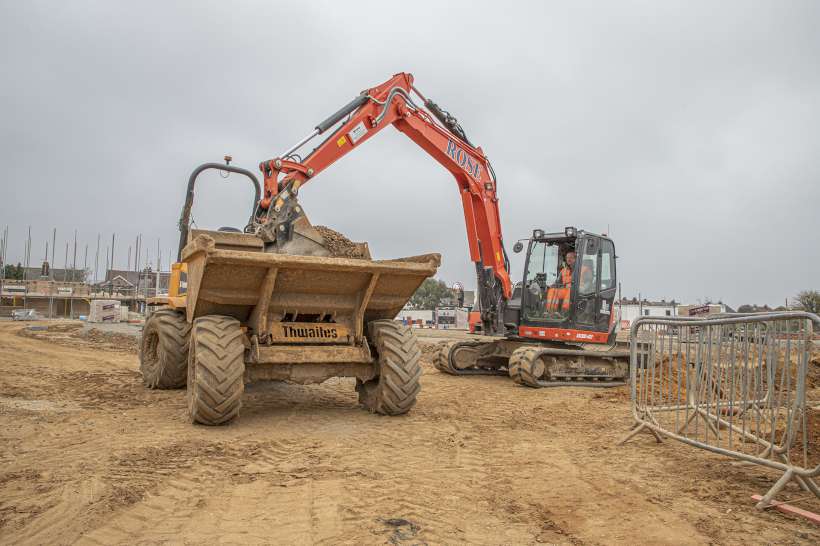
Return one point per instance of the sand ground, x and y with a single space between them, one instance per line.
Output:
87 455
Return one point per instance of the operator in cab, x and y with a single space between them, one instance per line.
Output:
559 294
566 271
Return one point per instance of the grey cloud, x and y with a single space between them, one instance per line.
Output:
688 129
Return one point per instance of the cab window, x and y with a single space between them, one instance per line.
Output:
588 274
543 266
547 298
607 265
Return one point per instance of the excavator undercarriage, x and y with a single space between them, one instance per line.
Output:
535 364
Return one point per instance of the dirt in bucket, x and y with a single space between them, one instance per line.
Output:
342 247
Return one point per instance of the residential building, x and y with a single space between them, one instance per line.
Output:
697 309
632 308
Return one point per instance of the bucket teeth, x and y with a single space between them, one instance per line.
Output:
289 231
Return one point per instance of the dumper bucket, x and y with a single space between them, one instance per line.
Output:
230 274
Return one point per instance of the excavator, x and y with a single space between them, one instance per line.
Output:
557 326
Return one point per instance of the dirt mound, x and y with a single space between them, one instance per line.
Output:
111 341
342 247
75 335
60 332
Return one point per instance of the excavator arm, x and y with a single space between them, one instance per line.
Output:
391 103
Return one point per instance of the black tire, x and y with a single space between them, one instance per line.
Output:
526 367
164 350
394 390
216 368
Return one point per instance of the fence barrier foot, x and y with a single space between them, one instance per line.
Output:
636 428
781 483
793 510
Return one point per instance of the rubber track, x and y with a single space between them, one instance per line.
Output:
170 369
522 362
217 367
394 391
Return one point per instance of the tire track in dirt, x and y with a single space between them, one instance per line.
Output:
478 460
527 423
112 481
319 492
215 496
161 516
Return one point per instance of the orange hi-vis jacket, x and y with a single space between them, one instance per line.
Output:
558 296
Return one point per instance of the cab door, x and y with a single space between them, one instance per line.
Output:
585 283
595 284
607 286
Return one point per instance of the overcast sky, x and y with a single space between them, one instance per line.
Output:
689 130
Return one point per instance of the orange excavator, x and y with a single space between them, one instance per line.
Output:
543 325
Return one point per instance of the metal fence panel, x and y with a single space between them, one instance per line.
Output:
734 385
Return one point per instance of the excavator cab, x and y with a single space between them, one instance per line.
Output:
569 287
564 303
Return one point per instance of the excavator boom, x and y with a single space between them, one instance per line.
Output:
435 131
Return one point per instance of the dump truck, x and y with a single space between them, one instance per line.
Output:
238 312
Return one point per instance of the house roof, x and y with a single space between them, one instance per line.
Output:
648 303
132 278
63 275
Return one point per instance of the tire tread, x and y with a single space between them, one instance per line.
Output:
216 370
395 389
169 370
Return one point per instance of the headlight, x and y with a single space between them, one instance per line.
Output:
570 231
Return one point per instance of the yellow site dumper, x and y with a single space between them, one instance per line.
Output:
237 312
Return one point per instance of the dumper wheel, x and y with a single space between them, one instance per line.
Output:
526 367
216 366
394 391
164 350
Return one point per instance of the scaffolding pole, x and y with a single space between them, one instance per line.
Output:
27 260
3 261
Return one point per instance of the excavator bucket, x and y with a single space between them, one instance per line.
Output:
305 240
289 231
